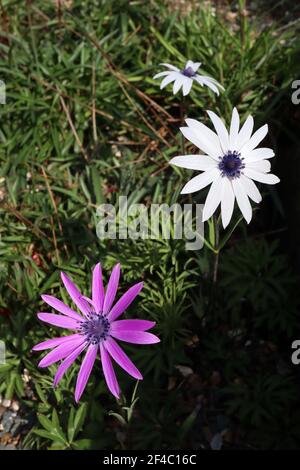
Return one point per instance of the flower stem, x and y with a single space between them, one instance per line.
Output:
214 237
217 251
182 116
243 22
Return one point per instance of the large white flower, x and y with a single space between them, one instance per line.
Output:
184 78
230 164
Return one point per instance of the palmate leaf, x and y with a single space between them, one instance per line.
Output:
250 401
254 272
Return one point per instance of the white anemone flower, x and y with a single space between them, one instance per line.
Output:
184 78
230 164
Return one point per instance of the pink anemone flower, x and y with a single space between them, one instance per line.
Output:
96 330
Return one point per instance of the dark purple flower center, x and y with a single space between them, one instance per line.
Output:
188 72
95 328
231 164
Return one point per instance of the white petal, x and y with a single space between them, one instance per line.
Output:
220 129
242 199
193 162
255 140
234 129
195 65
178 83
213 80
171 67
213 199
207 139
263 165
161 74
198 79
251 189
168 79
212 84
227 202
267 178
258 154
200 141
200 181
187 85
245 133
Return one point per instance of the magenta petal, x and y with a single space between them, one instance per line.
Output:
59 320
67 363
121 358
85 370
61 307
125 301
75 294
136 337
98 288
109 373
112 288
60 352
128 325
89 301
52 343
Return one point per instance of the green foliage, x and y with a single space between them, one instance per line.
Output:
250 402
254 273
84 123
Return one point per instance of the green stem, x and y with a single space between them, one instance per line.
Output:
214 236
242 12
182 114
217 249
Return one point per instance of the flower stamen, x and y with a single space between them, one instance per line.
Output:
188 72
95 328
231 164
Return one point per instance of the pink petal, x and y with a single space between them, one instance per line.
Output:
85 370
52 343
109 373
121 358
89 301
61 307
125 301
136 337
68 362
136 325
98 288
75 294
60 352
111 288
59 320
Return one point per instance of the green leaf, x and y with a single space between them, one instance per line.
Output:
118 417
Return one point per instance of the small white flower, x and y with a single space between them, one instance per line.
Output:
230 163
184 78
